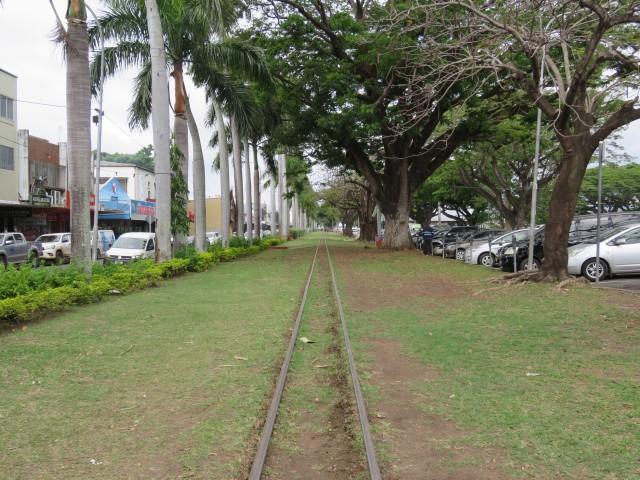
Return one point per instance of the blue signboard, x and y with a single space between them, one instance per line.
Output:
114 203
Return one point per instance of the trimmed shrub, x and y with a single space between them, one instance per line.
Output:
29 292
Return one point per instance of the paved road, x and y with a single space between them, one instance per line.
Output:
630 282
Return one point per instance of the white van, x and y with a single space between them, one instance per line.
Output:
106 238
132 246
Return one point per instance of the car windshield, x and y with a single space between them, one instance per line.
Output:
130 242
48 238
607 236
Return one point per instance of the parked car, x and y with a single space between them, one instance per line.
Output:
583 228
15 250
133 246
619 254
210 238
56 247
457 249
450 235
484 253
213 237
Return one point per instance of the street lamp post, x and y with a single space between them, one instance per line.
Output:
96 191
534 184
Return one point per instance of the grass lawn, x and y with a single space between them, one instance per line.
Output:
549 376
171 382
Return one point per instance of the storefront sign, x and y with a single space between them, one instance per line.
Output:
40 201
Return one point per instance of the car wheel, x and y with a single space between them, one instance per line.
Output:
3 261
485 259
524 264
589 269
59 257
460 255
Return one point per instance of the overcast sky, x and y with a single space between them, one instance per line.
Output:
28 52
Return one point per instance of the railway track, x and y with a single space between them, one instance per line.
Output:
322 268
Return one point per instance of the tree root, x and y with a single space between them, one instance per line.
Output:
572 281
537 276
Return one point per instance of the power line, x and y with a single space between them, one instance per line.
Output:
40 103
123 131
12 141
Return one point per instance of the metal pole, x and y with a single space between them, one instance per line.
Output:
598 211
96 191
515 253
534 174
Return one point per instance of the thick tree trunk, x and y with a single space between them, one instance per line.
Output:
394 205
564 197
79 141
368 229
225 190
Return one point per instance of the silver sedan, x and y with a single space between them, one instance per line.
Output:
619 254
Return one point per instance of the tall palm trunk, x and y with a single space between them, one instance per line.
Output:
199 201
237 170
272 219
247 191
161 132
79 127
257 209
225 191
181 130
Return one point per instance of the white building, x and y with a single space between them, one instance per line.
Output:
138 182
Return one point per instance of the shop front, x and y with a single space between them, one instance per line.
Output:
117 212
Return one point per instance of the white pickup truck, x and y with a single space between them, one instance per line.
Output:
56 247
15 250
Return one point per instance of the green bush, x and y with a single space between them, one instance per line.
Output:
29 292
296 233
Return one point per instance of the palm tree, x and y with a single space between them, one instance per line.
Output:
189 26
161 132
234 100
79 128
247 190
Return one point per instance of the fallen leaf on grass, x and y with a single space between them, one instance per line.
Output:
529 374
305 340
238 357
322 366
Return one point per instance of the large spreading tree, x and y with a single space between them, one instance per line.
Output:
353 88
577 61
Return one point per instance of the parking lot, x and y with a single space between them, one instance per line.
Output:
630 283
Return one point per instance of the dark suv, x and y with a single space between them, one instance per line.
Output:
583 228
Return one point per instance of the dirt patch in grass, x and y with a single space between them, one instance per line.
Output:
367 292
420 445
417 444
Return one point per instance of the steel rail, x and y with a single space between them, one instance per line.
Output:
372 460
263 445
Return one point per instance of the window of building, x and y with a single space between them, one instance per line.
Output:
6 107
6 157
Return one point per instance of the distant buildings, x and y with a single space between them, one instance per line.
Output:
33 181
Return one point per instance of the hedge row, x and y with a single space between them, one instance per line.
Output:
29 293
